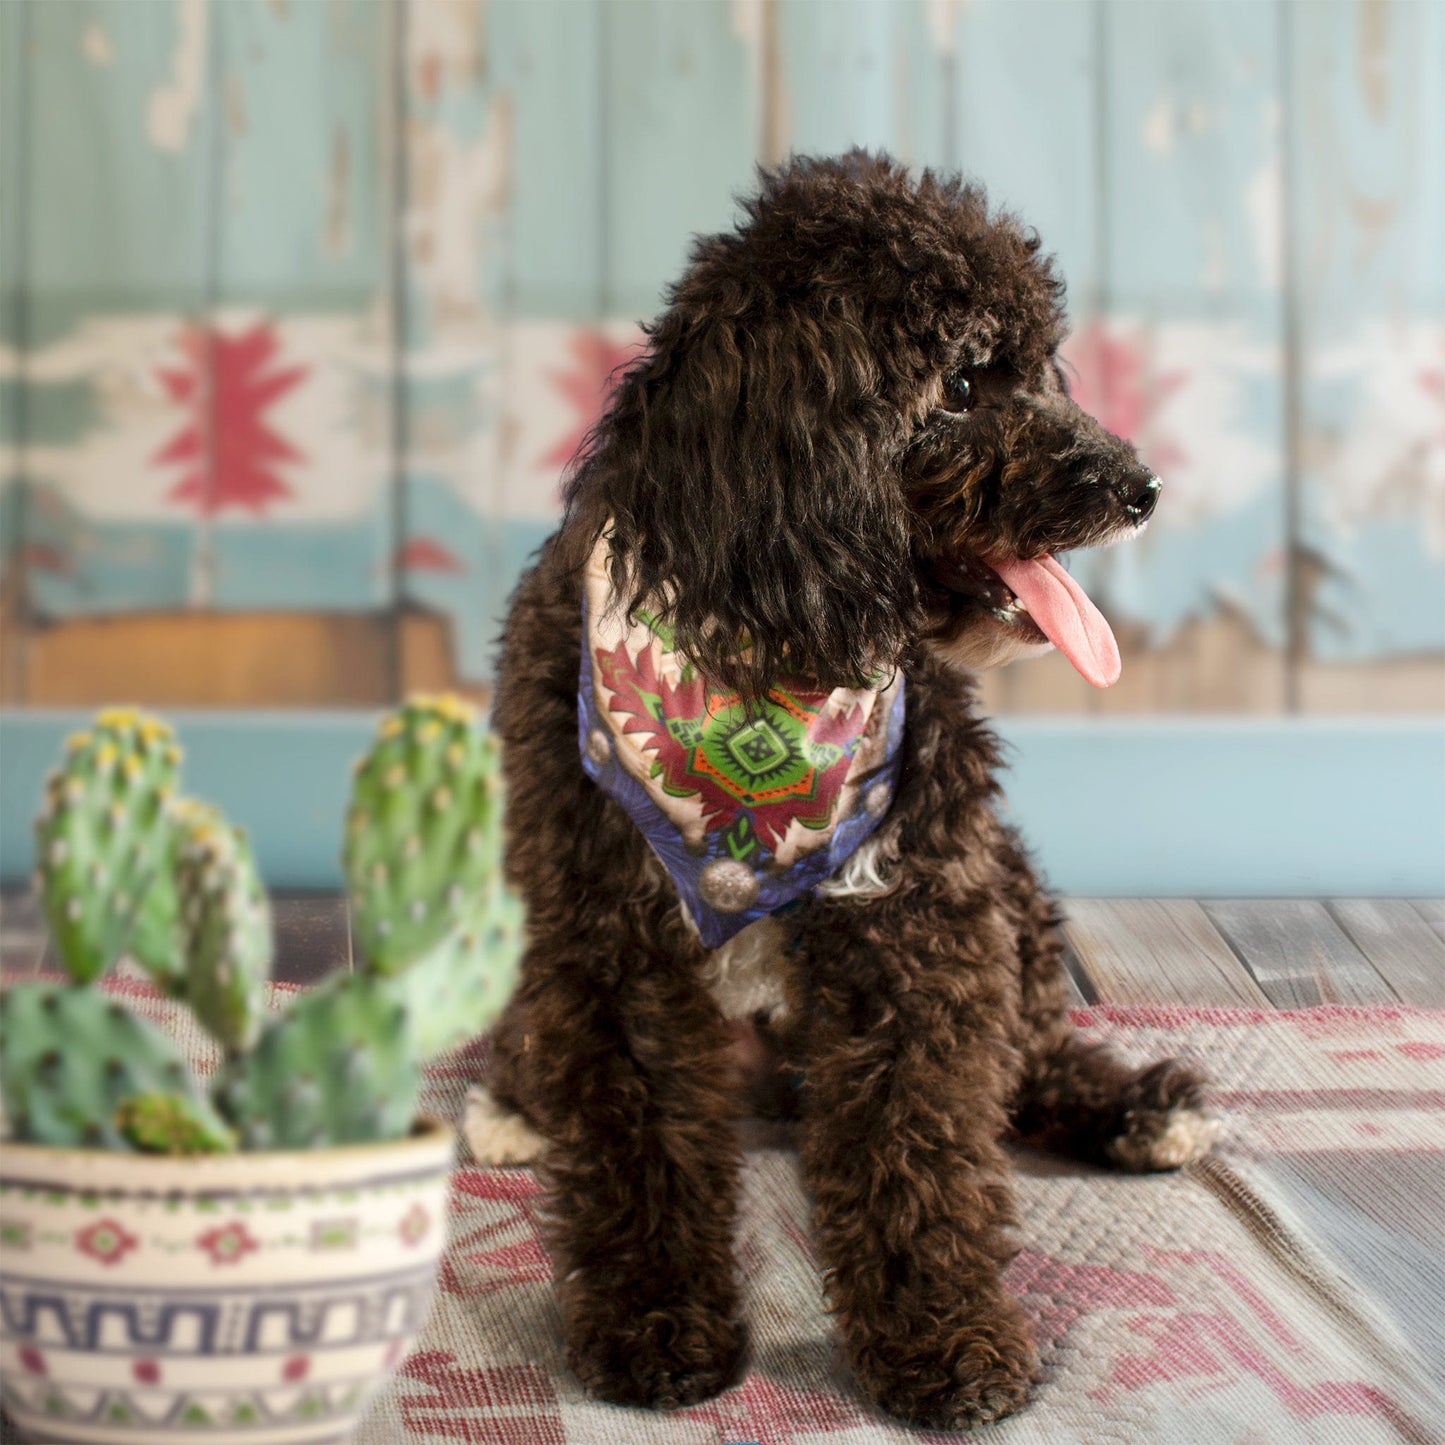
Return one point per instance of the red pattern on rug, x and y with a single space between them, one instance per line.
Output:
1288 1289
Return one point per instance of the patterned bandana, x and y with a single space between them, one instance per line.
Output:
747 813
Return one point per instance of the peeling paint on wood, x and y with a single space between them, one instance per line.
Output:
251 164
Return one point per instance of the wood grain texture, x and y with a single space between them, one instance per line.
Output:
108 258
449 215
1297 953
681 107
1406 952
1077 985
1148 951
1432 910
1365 277
303 145
1187 345
221 659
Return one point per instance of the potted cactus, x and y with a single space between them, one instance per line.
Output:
244 1251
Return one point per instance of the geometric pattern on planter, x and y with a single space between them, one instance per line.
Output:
334 1315
260 1414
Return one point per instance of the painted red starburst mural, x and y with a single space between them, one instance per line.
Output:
427 554
1113 382
1432 383
587 386
231 452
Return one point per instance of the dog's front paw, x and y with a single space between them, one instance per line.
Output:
659 1358
955 1378
1166 1122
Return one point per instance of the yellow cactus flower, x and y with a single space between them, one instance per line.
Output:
455 708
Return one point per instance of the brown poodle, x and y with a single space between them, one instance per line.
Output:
843 463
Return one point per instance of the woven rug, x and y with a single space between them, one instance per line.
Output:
1291 1288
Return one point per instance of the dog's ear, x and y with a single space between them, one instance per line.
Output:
745 475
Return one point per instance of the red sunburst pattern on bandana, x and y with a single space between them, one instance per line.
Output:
632 683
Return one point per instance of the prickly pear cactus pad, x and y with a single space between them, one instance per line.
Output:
339 1067
70 1058
224 926
424 829
457 991
155 942
101 835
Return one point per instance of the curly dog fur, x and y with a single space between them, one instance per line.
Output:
848 405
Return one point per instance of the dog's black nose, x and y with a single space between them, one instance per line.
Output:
1139 494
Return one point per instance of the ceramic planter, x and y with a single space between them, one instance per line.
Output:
257 1298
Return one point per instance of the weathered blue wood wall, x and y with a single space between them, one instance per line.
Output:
303 307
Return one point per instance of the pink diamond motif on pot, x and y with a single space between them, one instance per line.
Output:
31 1360
415 1225
296 1368
227 1243
105 1240
146 1372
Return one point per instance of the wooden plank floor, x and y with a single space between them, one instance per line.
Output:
1255 953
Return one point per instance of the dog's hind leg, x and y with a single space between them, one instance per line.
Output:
1077 1097
497 1122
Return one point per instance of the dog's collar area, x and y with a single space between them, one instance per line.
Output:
749 808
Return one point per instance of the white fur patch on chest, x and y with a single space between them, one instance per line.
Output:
746 974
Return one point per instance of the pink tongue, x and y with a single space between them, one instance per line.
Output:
1068 619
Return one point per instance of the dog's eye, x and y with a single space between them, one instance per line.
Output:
957 392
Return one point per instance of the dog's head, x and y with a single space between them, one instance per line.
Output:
850 434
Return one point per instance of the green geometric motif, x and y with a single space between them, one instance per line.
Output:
757 749
767 751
